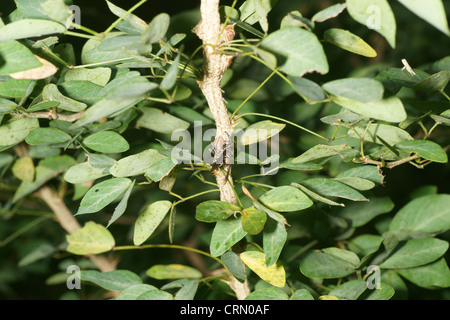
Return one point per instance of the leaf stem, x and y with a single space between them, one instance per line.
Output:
169 246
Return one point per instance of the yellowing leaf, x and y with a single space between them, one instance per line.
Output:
23 169
256 261
93 238
46 70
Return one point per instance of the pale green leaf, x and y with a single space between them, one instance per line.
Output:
93 238
376 15
102 194
28 28
113 280
106 142
149 220
135 164
300 50
226 233
286 199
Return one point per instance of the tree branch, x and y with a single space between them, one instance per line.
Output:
70 224
210 31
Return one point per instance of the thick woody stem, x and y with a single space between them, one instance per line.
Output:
209 30
70 224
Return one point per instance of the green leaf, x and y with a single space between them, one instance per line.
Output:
6 106
350 290
188 288
100 160
253 220
131 22
384 293
301 294
392 278
149 220
113 280
155 295
328 13
16 57
106 142
376 15
390 134
261 14
105 108
28 28
156 29
98 76
390 109
214 210
83 172
130 88
226 233
93 238
160 169
122 206
416 252
82 91
133 292
424 148
345 255
274 215
316 196
294 19
32 9
14 88
274 238
357 183
170 79
394 79
337 119
359 89
248 10
102 194
432 11
322 265
300 50
434 83
135 164
321 151
160 121
173 271
255 260
430 276
51 93
17 130
346 40
42 251
427 214
308 90
360 214
267 294
332 188
57 10
286 199
364 172
234 265
41 136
